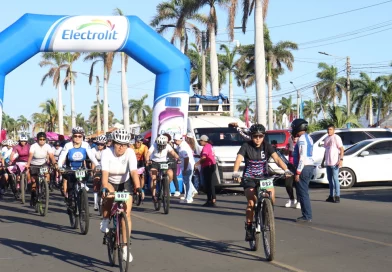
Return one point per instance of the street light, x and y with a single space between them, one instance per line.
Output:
298 96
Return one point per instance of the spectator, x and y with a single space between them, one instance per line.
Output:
191 142
289 182
333 160
208 167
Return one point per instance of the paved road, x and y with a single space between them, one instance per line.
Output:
355 235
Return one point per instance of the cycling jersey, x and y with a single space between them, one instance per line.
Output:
6 155
76 155
57 152
139 152
303 152
97 153
256 159
119 167
157 156
22 151
40 153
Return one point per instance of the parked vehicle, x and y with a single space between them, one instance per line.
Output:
366 161
280 140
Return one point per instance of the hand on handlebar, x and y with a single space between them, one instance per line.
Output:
288 173
105 192
237 176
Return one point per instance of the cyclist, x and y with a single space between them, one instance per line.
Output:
19 157
109 140
5 161
97 153
37 158
256 154
74 154
141 151
158 152
119 165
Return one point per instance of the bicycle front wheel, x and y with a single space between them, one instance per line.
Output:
43 198
84 215
158 195
268 229
123 243
166 195
22 188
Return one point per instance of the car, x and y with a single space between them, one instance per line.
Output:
366 161
279 139
349 137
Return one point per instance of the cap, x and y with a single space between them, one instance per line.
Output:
177 136
204 138
189 135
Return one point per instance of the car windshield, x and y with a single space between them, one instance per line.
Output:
226 136
354 148
316 136
276 137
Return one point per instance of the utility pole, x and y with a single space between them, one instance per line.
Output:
298 97
348 70
203 60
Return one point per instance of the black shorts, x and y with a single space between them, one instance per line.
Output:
34 170
126 186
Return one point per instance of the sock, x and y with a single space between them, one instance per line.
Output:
95 199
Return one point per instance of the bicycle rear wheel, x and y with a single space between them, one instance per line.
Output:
111 246
84 215
123 242
158 195
43 198
22 188
268 229
166 195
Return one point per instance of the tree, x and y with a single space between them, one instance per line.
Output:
23 123
365 94
330 86
175 14
196 67
40 121
9 124
124 88
339 118
385 83
310 111
286 106
49 108
55 61
70 75
138 110
244 104
96 114
107 59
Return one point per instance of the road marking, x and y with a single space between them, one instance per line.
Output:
274 263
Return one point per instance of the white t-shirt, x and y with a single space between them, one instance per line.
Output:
56 152
157 156
119 168
185 151
4 149
40 153
97 153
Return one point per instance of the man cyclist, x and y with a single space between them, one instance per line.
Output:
74 155
256 154
119 165
141 151
37 158
158 152
100 146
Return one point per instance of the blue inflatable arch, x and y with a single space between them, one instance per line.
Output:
34 33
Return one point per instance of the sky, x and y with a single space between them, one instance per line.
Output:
370 53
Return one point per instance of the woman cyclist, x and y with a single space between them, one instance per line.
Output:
5 161
141 151
21 152
74 155
119 166
256 154
97 153
37 158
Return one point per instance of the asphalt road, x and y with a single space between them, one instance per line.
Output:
355 235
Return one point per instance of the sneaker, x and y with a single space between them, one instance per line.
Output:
104 226
337 199
290 203
177 194
330 199
125 254
182 198
185 201
303 220
194 193
298 206
96 207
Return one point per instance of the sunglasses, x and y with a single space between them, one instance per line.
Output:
77 136
258 136
101 144
42 139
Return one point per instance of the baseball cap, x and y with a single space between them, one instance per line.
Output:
189 135
204 138
177 136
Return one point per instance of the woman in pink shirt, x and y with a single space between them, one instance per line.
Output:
208 167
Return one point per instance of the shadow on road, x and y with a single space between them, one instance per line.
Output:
369 195
75 259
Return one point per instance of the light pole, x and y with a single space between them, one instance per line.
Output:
298 97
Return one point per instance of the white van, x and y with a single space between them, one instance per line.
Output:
226 142
349 137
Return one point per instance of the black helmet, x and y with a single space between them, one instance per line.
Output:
56 143
298 125
257 129
41 135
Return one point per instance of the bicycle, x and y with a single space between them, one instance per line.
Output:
17 171
263 221
77 206
137 199
41 199
162 185
114 238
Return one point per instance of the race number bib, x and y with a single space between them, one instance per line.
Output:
121 196
80 174
266 184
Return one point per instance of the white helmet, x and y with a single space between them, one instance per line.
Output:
9 142
101 139
78 130
162 140
4 142
23 138
121 136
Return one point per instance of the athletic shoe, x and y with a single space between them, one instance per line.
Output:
104 226
291 203
177 194
298 206
186 201
125 254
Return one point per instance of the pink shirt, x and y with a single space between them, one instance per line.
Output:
332 146
23 152
207 152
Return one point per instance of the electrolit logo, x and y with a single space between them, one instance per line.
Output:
87 34
97 30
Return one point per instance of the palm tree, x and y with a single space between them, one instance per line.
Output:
244 104
311 111
70 58
385 95
124 88
107 59
195 58
96 115
286 106
330 86
40 121
339 118
228 64
55 61
175 14
9 124
365 95
138 110
23 123
50 109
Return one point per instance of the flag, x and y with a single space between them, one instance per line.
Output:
247 117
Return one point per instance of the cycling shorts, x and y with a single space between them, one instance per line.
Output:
126 186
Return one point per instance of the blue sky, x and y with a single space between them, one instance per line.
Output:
23 90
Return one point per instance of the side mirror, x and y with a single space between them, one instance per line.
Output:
364 154
321 144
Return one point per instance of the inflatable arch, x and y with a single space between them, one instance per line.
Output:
34 33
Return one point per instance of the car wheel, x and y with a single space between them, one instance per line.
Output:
346 178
